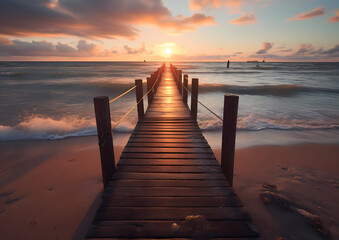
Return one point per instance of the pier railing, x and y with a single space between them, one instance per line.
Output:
103 119
229 119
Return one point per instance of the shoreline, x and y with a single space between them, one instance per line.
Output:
71 171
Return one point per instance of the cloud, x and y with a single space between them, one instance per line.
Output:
130 50
331 51
201 4
88 18
266 46
305 52
202 57
244 19
181 23
335 18
45 48
319 11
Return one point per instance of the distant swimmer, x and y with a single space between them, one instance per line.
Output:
228 64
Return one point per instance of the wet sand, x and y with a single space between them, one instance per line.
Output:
290 191
51 188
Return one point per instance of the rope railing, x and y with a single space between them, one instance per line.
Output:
103 120
211 111
122 118
229 120
122 94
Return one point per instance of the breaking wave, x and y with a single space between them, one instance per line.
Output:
40 127
253 123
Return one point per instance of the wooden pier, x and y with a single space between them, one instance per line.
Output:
168 183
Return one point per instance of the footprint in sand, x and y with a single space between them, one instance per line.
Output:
6 194
32 224
10 201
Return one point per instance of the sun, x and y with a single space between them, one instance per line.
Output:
168 51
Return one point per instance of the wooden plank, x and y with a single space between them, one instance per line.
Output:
168 162
167 136
166 150
168 132
170 169
167 213
168 176
221 201
168 191
166 140
174 229
168 145
167 183
167 155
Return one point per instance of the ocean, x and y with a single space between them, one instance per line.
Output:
280 103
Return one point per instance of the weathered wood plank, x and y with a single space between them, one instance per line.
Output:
167 155
168 145
167 213
167 176
167 183
223 201
168 191
167 136
168 162
175 229
170 169
166 150
167 140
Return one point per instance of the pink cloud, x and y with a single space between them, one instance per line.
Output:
266 46
201 4
92 19
319 11
244 19
335 18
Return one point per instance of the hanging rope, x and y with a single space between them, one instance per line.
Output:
176 77
122 94
122 118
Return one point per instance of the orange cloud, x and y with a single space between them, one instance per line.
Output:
319 11
244 19
201 4
130 50
335 18
92 19
181 23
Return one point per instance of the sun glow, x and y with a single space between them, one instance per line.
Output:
168 51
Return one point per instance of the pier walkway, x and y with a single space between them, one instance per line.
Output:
168 183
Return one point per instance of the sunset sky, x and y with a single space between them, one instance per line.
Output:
190 30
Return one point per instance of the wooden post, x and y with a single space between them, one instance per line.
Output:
180 81
185 93
149 87
194 97
228 135
103 119
139 94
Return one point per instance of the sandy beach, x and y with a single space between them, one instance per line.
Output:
52 189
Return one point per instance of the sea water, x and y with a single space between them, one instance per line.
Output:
280 103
